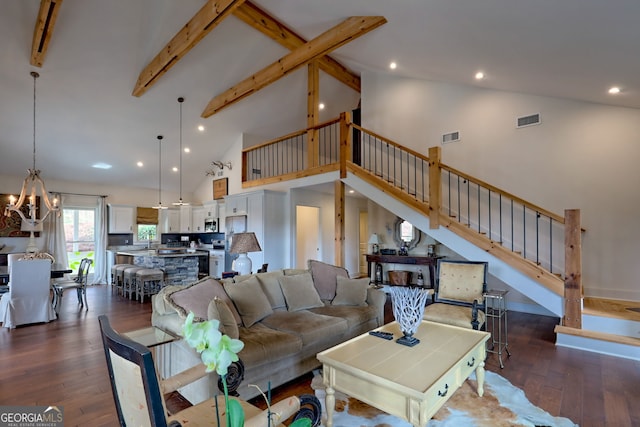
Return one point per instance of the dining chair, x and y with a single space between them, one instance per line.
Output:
459 294
138 392
28 300
79 283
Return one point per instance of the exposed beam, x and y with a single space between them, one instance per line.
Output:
207 18
252 15
43 30
343 33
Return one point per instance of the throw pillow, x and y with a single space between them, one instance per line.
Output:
324 277
250 300
271 288
196 298
351 291
299 292
220 311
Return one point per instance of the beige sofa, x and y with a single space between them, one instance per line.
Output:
284 318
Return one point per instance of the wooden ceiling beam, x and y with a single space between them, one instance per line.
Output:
341 34
205 20
43 30
257 18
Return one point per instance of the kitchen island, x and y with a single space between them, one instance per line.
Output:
181 266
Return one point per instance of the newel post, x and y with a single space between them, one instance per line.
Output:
345 142
572 269
435 193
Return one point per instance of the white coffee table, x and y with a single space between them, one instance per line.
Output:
409 382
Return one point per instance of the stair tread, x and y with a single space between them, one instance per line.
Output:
620 339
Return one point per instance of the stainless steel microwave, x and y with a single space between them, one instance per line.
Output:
210 225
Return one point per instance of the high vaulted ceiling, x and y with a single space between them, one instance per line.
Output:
86 112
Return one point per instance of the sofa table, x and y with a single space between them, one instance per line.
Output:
429 261
409 382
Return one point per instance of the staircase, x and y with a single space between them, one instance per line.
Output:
524 245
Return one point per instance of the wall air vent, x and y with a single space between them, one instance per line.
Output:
524 121
451 137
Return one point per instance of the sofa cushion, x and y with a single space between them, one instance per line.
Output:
324 277
250 300
312 328
263 345
221 311
299 292
196 298
351 291
160 305
271 287
355 316
294 271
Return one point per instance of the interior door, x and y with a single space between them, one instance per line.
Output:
307 235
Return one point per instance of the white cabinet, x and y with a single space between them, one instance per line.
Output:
210 209
185 219
266 217
198 215
122 219
170 221
236 204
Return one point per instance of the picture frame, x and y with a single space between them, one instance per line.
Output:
220 188
10 226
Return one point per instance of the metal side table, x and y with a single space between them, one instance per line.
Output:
497 324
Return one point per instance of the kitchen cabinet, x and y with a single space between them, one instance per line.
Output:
210 209
185 219
122 219
198 214
236 204
170 221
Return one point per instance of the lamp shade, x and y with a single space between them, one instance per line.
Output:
374 239
244 242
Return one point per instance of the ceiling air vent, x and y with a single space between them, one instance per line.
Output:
451 137
531 120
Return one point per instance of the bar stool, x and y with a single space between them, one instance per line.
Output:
148 282
129 280
117 275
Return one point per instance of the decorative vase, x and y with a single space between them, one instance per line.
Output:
408 308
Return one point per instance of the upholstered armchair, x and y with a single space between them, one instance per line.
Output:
138 392
28 300
459 294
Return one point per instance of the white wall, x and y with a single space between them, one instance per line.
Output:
582 156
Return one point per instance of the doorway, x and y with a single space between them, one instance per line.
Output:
307 235
363 249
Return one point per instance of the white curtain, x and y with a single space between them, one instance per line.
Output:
55 243
100 270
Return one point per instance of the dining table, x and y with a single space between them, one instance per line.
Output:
57 271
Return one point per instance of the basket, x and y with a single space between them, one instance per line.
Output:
400 277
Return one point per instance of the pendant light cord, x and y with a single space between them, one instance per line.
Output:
35 76
181 100
160 171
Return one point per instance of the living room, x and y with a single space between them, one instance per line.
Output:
581 154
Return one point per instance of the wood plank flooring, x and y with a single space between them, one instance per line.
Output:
62 363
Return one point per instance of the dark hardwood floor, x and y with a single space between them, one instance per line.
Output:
62 363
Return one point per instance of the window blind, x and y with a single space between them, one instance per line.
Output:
147 216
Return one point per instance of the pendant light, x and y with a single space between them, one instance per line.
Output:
180 202
159 175
30 187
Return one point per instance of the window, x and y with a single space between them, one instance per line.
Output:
79 234
147 232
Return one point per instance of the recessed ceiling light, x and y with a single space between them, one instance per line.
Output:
187 149
321 106
479 75
614 90
175 169
351 191
201 128
140 164
393 65
101 165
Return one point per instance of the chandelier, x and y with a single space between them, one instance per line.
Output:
180 202
33 186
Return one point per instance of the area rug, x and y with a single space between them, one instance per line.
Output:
503 405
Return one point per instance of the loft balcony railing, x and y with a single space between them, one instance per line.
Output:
490 217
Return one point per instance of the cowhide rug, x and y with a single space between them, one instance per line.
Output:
503 405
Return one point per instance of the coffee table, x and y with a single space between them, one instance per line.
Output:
409 382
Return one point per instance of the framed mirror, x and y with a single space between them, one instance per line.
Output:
404 231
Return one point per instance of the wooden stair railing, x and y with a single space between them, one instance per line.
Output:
523 237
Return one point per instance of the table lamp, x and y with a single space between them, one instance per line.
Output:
242 243
374 241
